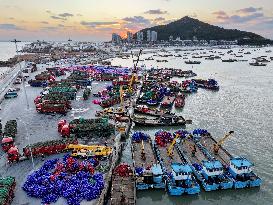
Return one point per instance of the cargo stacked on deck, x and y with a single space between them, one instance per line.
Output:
52 103
10 131
40 149
89 128
7 187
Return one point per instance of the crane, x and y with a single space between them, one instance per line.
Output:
170 149
217 145
134 71
89 150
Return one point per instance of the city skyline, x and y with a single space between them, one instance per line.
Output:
96 21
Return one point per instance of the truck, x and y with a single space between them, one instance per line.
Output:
68 92
49 107
10 131
38 83
56 71
10 94
7 189
52 103
86 93
87 151
89 128
40 149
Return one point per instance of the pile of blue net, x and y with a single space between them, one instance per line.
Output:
139 136
181 133
68 178
200 132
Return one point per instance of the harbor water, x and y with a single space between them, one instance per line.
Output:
8 50
243 104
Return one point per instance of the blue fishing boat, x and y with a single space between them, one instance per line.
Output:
177 173
148 172
209 171
241 170
238 168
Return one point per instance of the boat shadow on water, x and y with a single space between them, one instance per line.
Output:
161 195
235 194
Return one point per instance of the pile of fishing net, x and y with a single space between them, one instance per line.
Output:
139 136
123 170
69 178
181 133
163 137
200 132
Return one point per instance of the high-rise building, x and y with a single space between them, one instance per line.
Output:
116 38
129 37
139 36
148 35
153 36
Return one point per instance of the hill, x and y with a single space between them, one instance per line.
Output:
186 28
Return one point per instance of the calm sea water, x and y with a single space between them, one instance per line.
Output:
244 104
8 50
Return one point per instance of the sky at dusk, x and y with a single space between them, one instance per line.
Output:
95 20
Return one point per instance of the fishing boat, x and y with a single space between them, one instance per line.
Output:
229 60
239 168
123 186
178 173
192 62
257 64
209 171
179 101
167 102
164 120
210 84
148 172
143 109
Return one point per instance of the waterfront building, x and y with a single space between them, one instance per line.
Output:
148 35
116 39
153 36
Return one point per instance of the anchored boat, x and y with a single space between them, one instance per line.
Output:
238 168
164 120
123 186
148 171
179 101
178 173
209 171
167 101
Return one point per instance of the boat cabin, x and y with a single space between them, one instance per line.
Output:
157 173
212 168
240 165
181 171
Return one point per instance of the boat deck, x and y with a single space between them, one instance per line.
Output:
123 191
168 100
186 149
149 154
167 161
223 155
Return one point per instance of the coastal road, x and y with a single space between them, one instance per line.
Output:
9 79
